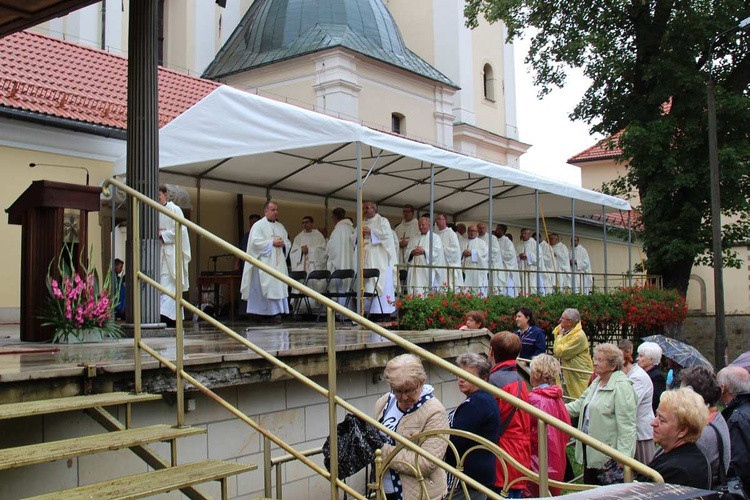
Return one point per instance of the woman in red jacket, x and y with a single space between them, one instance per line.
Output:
514 424
548 397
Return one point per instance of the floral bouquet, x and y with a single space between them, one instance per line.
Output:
79 302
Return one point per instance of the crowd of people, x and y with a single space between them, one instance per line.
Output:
429 256
677 431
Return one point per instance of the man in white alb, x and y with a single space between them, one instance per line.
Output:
581 264
407 229
308 248
508 277
547 268
494 259
562 259
527 261
340 249
167 260
269 243
451 251
461 233
421 254
474 258
379 253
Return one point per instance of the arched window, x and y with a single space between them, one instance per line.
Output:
488 82
398 123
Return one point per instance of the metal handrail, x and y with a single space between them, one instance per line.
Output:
330 393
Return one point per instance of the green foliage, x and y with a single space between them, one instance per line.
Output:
637 310
648 63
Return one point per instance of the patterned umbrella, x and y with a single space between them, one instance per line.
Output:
681 353
743 360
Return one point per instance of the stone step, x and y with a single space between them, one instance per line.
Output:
87 445
153 483
58 405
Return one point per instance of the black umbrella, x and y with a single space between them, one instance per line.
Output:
743 360
681 353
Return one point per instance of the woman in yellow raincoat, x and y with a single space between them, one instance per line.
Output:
572 347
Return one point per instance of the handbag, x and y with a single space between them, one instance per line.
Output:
357 442
611 473
728 488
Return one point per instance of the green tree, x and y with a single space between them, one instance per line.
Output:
648 61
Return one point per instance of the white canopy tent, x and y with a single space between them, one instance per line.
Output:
242 143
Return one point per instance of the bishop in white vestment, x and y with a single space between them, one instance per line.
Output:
474 258
422 254
451 251
167 260
379 253
269 243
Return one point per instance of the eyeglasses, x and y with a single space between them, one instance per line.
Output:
406 392
563 318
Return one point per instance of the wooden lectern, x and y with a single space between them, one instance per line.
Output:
51 215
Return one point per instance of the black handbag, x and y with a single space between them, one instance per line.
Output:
357 442
728 488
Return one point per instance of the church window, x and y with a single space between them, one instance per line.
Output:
397 123
488 81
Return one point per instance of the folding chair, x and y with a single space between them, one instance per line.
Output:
316 276
294 295
335 288
368 274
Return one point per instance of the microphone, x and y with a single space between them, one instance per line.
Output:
32 165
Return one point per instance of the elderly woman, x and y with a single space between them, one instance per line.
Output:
533 338
479 415
678 424
649 357
606 411
572 347
644 392
410 408
703 381
548 397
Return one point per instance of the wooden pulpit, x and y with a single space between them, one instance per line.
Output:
51 215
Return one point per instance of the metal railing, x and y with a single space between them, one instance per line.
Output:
329 393
525 280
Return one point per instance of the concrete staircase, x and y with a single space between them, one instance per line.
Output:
167 476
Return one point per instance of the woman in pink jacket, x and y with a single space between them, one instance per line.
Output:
548 397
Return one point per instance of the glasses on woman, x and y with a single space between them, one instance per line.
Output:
405 392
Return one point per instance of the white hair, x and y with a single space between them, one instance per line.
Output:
735 379
651 350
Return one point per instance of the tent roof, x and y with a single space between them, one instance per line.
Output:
239 142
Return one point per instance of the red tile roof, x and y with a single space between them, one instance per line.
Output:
60 79
618 219
606 149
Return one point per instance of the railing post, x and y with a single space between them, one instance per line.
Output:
135 286
332 420
543 459
267 488
179 340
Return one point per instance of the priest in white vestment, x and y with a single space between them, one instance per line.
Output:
405 231
547 268
527 262
167 257
340 249
380 253
269 243
474 258
509 263
451 251
562 259
493 255
581 265
309 254
425 279
461 233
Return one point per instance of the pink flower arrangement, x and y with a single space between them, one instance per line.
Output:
79 302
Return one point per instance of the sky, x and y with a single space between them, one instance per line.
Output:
545 124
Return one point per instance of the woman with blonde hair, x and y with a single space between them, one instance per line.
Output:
548 397
408 409
679 422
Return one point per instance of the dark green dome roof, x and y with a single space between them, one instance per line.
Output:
275 30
